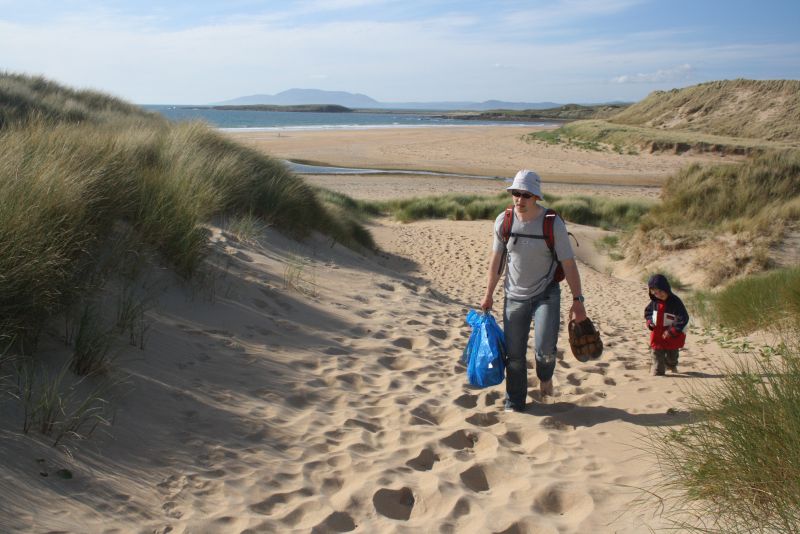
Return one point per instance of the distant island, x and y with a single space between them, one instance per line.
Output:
568 112
308 108
360 101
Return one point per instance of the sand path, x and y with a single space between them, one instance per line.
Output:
342 407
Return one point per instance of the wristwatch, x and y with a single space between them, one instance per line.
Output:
579 298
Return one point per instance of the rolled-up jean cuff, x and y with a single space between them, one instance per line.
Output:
545 366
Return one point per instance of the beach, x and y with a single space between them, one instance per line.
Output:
307 387
494 151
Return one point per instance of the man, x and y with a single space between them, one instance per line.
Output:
531 292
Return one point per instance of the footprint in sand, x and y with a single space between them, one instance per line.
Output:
396 363
466 401
460 440
369 427
460 509
492 397
411 343
475 479
394 504
425 415
336 522
483 419
576 378
438 334
564 500
424 460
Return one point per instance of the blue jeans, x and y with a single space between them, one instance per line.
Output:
544 310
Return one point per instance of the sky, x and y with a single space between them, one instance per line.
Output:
563 51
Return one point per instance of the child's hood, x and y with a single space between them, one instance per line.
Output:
659 281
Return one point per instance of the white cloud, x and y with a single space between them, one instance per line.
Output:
424 59
681 73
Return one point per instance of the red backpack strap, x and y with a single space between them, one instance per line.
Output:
505 234
508 222
547 229
549 238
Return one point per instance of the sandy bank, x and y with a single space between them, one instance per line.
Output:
486 151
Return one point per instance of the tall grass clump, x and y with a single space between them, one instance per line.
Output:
768 302
453 206
736 466
58 406
760 195
601 211
59 187
80 170
345 218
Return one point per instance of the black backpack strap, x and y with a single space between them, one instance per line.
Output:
529 236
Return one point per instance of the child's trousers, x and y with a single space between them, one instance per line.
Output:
664 359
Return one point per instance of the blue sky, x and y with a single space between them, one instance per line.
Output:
196 52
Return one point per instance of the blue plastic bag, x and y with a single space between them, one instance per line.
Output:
485 352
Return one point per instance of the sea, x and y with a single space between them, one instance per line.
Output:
301 120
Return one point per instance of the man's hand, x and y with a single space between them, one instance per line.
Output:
578 311
487 303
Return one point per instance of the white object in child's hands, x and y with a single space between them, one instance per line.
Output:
669 318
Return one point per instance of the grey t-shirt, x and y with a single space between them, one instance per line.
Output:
530 266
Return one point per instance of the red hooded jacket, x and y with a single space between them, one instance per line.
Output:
668 315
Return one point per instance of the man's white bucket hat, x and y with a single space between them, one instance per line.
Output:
529 181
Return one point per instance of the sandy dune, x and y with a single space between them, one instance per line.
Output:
335 403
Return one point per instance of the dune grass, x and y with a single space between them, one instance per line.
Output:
81 172
631 139
593 211
768 302
23 98
759 195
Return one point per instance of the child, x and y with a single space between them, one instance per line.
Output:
666 317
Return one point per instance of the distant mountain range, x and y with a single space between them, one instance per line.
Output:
294 97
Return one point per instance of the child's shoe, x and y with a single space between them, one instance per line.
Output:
672 368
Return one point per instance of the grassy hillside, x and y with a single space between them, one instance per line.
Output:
25 98
604 135
82 174
739 117
754 109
